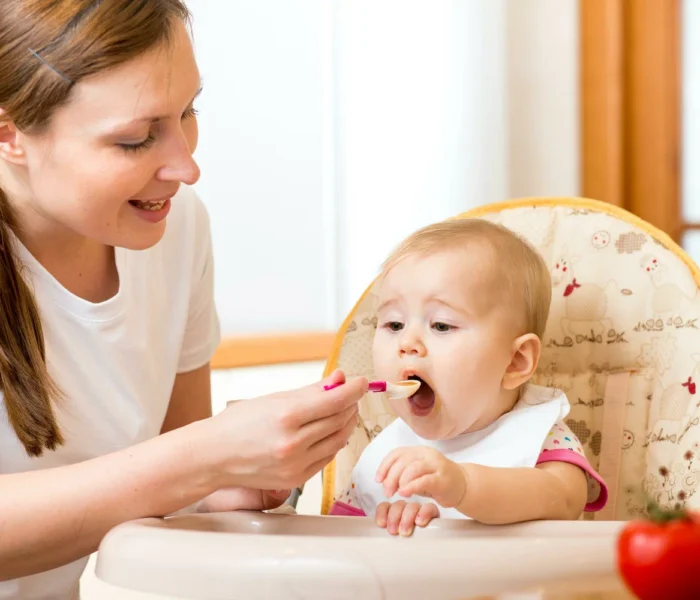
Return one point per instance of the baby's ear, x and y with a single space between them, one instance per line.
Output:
525 355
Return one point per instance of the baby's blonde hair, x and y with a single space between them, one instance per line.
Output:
518 264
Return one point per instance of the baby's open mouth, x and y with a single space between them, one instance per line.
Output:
423 401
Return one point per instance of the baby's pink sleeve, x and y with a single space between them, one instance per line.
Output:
346 504
562 445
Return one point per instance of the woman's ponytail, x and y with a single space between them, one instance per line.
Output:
27 388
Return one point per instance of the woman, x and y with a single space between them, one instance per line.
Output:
107 320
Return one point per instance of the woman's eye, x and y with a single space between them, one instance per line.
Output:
147 143
394 326
442 327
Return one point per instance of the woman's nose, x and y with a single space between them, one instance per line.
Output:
181 165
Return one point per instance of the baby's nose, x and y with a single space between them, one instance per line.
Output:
412 345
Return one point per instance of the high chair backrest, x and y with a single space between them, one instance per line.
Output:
622 340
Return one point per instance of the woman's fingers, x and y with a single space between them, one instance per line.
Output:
315 404
274 498
283 439
335 378
337 436
315 468
316 432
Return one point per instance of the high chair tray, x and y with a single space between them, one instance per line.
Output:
248 555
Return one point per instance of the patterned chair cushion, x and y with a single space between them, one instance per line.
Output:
622 340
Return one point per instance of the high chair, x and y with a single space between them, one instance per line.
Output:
622 340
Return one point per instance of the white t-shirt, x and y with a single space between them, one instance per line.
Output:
116 361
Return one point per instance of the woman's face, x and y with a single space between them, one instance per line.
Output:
110 160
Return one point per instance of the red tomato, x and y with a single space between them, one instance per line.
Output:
661 561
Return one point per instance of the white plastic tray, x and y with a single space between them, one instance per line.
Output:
248 556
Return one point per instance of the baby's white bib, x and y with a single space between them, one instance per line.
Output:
513 440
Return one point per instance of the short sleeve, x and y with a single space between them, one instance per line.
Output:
202 333
562 445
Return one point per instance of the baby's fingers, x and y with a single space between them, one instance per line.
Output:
394 517
386 465
413 471
382 514
427 513
408 518
424 486
391 481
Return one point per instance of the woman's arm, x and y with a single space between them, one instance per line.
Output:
51 517
55 516
190 401
83 502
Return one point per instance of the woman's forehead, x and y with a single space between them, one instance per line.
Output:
156 84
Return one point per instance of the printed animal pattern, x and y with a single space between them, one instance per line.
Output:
622 302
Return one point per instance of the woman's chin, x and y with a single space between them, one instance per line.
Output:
142 239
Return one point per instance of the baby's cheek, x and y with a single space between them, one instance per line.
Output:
456 390
477 380
380 354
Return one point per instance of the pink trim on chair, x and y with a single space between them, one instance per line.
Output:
340 509
574 458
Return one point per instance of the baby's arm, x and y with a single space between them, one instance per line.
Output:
557 488
494 495
552 490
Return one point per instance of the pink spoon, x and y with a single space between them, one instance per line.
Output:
397 390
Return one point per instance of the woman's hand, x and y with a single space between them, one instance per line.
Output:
280 441
242 499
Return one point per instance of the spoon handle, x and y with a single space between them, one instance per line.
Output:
374 386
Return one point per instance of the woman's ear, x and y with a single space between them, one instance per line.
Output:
10 147
525 355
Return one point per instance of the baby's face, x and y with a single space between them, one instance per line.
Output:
443 319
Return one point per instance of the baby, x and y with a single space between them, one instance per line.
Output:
463 306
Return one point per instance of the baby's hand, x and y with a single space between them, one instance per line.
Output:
424 472
401 517
239 498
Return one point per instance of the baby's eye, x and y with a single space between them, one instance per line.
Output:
442 327
393 326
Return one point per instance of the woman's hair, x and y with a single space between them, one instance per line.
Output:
46 48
